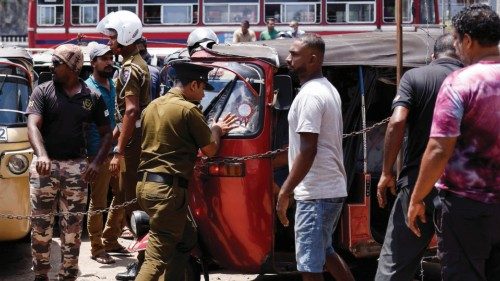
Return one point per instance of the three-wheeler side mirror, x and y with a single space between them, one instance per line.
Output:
283 92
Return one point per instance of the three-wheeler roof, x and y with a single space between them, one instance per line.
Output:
370 48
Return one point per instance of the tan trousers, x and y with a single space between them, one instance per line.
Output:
171 235
100 239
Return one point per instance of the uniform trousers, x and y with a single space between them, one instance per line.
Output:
128 177
103 238
171 236
65 189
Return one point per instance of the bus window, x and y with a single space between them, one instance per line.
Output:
219 11
390 9
350 11
50 12
84 12
303 11
170 12
118 5
427 14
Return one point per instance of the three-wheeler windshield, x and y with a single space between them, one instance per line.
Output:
14 95
233 95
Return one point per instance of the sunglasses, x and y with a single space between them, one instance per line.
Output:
56 63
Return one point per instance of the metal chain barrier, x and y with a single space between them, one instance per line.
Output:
271 154
205 160
95 212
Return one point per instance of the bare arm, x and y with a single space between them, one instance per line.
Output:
132 111
93 168
392 144
301 166
436 156
35 123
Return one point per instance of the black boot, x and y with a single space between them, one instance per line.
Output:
130 274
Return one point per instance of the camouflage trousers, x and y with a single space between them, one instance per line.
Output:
63 190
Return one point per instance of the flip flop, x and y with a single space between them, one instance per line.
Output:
103 258
127 234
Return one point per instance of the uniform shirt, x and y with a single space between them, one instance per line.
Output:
238 36
64 118
173 129
317 109
417 92
93 137
133 80
467 107
266 35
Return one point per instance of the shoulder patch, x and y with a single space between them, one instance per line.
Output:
125 75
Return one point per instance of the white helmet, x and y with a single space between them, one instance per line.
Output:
127 25
201 36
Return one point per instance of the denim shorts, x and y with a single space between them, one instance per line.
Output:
315 221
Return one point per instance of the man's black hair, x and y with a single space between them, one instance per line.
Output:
480 22
245 22
444 46
313 41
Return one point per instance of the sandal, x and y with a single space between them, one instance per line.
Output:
126 233
103 258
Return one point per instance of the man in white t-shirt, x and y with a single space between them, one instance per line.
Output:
317 175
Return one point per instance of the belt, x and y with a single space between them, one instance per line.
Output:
165 178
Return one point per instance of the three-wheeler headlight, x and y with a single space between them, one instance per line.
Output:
139 223
18 164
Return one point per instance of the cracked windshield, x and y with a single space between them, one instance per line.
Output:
232 95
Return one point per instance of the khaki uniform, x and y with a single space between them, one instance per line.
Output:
133 80
173 130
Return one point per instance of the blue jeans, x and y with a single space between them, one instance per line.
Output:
315 221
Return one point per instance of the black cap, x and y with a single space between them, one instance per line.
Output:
187 71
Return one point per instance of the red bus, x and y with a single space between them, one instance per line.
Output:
167 23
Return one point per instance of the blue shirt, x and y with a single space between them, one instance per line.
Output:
155 82
93 138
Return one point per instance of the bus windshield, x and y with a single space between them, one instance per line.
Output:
231 95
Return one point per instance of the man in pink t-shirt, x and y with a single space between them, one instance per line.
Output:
464 153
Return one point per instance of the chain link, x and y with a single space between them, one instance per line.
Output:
205 160
90 212
271 154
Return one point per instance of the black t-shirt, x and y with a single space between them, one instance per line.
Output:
417 92
64 118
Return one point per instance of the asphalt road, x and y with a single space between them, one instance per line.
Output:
15 265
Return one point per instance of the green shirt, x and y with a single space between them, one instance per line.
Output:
266 35
173 129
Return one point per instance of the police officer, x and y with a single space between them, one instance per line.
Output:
59 173
173 130
132 95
